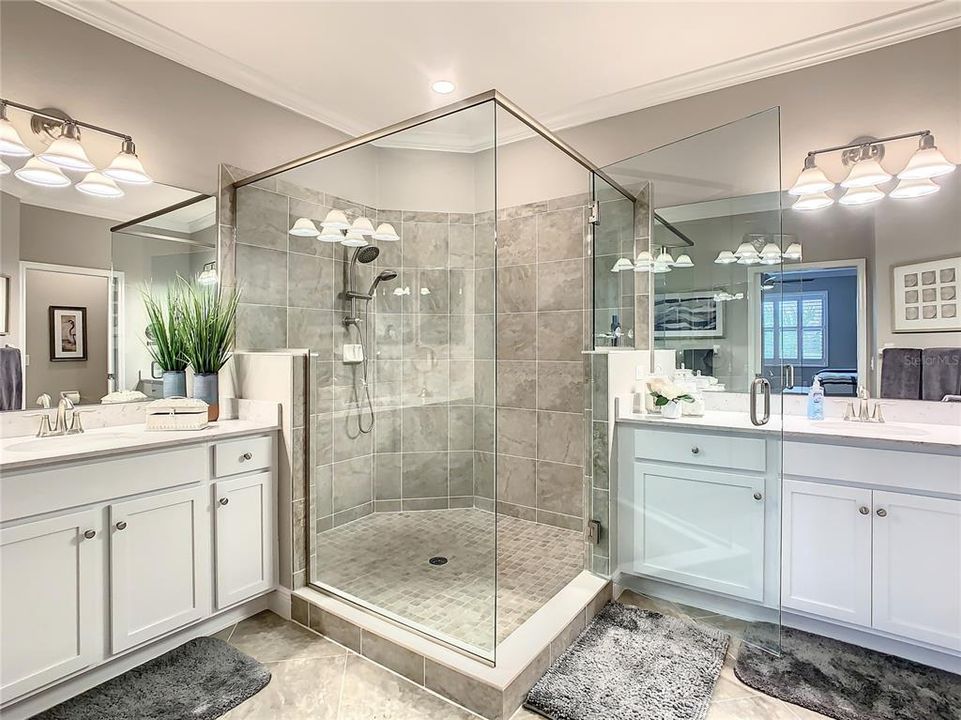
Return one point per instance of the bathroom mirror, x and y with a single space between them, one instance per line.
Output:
68 307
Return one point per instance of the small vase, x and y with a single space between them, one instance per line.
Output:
671 411
174 383
206 388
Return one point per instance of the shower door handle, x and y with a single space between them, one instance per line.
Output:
789 377
760 383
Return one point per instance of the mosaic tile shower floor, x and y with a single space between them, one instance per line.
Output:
383 559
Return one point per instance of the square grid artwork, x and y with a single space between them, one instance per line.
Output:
926 296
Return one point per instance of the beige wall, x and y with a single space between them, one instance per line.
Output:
64 238
43 289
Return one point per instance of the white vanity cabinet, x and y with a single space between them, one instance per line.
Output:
89 572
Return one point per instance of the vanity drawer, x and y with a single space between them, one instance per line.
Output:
244 455
717 451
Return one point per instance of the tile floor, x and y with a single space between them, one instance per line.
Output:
316 679
383 559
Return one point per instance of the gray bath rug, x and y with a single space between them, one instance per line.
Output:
848 682
201 680
632 664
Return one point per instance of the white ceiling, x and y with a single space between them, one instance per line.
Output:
359 66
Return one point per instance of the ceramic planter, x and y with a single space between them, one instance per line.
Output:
207 388
174 383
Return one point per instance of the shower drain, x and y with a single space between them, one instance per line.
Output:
438 560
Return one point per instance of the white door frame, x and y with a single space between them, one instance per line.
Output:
754 308
114 356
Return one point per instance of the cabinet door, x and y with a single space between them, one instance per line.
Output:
826 551
243 541
701 528
159 565
917 567
51 600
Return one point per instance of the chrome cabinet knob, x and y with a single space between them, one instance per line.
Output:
90 534
246 456
882 512
864 510
224 501
758 496
695 450
121 525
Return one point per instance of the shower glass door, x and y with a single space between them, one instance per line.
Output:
699 526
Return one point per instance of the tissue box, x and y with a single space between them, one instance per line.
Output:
177 414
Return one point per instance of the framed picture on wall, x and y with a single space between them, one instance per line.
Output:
926 296
688 315
68 333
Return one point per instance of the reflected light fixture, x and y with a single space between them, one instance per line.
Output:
208 276
39 172
811 180
336 219
67 152
362 226
861 195
643 262
745 250
912 188
354 239
683 261
664 258
927 162
725 257
126 166
792 251
99 185
442 87
622 264
814 201
386 232
304 227
10 142
331 235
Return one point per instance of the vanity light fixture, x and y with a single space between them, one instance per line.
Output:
927 162
683 261
792 251
912 188
208 276
354 239
814 201
867 170
861 195
40 172
386 233
770 254
664 258
10 142
745 250
126 166
362 226
644 262
336 219
304 227
811 180
99 185
330 235
725 257
66 151
622 264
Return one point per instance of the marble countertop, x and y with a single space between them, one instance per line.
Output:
892 435
19 453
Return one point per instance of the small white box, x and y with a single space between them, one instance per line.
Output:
353 353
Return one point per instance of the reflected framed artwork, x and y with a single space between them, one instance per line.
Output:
68 333
688 315
926 296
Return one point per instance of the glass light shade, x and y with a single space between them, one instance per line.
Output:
40 172
770 250
622 264
127 168
865 173
914 188
208 276
926 163
362 226
811 180
814 201
683 261
304 227
386 232
725 257
644 257
67 152
769 260
10 142
336 220
745 250
354 239
792 252
749 259
661 269
665 259
4 168
861 195
99 185
331 235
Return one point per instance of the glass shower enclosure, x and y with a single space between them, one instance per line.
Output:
439 272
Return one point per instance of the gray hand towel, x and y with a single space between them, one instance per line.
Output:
940 373
901 373
11 379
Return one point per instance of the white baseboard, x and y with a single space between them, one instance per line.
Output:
279 602
84 680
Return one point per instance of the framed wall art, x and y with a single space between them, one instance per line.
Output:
925 296
68 333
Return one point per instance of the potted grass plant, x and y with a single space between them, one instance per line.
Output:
209 315
165 341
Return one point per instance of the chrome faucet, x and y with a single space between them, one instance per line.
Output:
60 428
864 413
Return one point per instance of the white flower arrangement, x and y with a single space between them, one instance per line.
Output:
665 392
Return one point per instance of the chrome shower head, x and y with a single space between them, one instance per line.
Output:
384 276
366 254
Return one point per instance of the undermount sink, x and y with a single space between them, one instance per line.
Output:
67 443
872 428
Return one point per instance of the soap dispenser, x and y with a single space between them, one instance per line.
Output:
816 401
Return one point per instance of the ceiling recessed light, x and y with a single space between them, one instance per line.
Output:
444 87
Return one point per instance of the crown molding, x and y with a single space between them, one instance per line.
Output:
124 22
898 27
